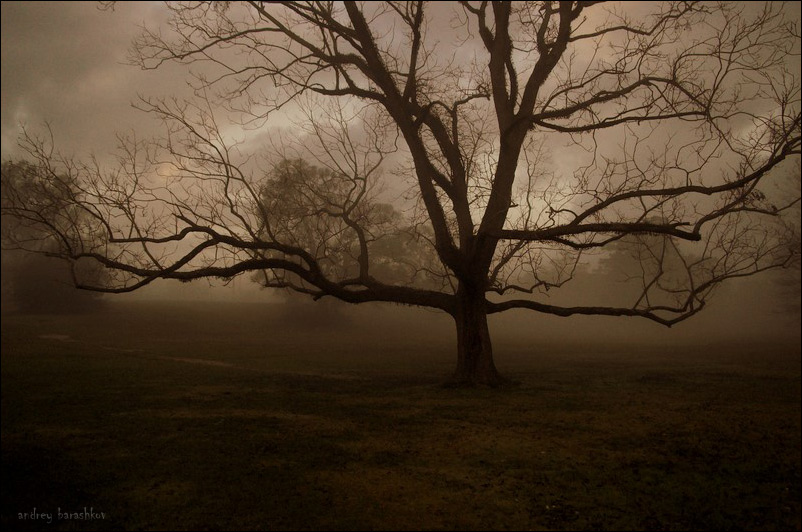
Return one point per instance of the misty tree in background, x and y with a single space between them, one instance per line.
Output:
465 157
36 281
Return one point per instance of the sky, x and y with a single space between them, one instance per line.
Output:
65 64
77 80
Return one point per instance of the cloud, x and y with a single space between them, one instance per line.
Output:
65 63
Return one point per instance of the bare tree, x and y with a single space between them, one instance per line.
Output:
522 135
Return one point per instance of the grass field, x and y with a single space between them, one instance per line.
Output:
236 417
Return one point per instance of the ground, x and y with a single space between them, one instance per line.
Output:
236 417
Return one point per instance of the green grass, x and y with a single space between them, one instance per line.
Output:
232 417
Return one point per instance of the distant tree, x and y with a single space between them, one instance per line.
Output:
680 115
36 281
326 211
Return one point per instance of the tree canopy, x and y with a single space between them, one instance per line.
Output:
459 156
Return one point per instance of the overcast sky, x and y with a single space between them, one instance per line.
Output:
64 63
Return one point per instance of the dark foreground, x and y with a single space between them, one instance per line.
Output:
235 417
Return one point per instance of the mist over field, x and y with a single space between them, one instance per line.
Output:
757 310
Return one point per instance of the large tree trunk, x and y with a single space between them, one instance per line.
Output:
475 365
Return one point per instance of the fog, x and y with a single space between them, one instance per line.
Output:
762 310
64 63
